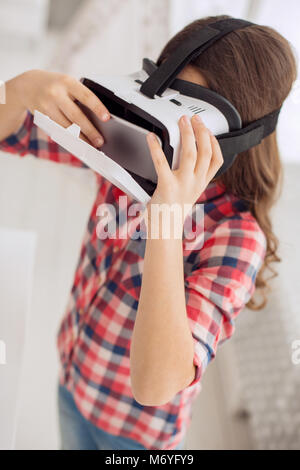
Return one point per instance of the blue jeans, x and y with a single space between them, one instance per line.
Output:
77 433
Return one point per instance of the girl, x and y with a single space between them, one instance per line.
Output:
145 317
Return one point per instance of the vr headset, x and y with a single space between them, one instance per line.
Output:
153 99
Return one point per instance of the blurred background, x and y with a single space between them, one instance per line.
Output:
250 396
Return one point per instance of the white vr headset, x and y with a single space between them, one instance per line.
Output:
153 99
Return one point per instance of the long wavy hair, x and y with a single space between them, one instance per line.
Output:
254 68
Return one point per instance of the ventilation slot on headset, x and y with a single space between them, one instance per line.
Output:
196 109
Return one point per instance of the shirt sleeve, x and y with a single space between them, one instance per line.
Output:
220 284
30 139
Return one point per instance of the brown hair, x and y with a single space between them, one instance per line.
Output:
254 68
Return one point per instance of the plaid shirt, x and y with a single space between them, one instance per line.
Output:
95 333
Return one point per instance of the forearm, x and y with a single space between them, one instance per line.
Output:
162 347
13 112
161 355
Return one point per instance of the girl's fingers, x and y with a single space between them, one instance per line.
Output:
188 146
160 162
217 158
58 116
85 139
75 115
204 147
85 96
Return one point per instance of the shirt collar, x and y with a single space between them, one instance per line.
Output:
212 191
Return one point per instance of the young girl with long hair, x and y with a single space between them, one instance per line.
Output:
145 317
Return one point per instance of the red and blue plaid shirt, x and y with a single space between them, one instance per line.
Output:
95 333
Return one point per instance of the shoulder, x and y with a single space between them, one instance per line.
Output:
232 243
229 221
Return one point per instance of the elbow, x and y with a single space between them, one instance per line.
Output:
149 395
149 399
146 395
159 389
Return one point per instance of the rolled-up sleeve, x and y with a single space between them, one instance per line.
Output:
220 284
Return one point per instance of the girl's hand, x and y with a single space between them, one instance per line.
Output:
201 158
54 94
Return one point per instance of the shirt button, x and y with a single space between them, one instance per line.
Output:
116 249
81 311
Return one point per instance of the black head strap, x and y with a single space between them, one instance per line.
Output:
243 139
163 76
